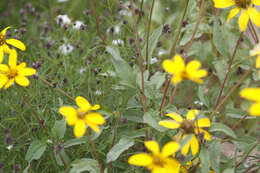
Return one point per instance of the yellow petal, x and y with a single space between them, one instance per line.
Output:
16 43
12 58
9 83
194 144
255 2
223 3
27 71
254 16
243 20
168 66
193 66
186 147
159 169
83 103
152 146
205 133
141 159
177 78
175 116
233 13
204 122
173 166
23 81
6 49
191 114
170 148
3 68
255 109
95 107
67 111
95 118
3 80
251 94
79 129
3 32
179 64
1 54
170 124
93 127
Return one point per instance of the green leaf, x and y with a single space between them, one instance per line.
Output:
215 153
123 144
205 160
185 141
59 129
221 67
84 164
229 170
35 150
64 155
123 69
220 40
149 119
76 141
219 127
202 96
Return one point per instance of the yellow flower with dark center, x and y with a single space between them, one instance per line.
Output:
158 162
256 51
82 116
14 73
3 44
247 11
189 126
177 68
252 94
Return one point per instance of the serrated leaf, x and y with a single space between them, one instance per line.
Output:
148 119
219 127
123 144
205 160
59 129
84 164
35 150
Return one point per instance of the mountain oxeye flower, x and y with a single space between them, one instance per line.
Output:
189 126
82 116
256 51
252 94
3 44
158 162
247 11
177 68
14 73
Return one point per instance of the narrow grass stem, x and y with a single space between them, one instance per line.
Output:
166 87
148 34
228 70
92 6
93 148
232 90
139 55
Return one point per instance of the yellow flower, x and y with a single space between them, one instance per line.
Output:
82 116
189 126
3 44
158 162
14 73
252 94
246 8
185 168
256 51
177 68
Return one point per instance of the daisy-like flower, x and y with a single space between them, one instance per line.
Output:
158 162
252 94
3 44
254 52
189 126
177 68
14 73
246 8
82 116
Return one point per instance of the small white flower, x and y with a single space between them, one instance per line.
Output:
82 70
117 29
9 147
161 52
118 42
198 103
63 0
77 24
63 20
49 141
98 92
66 48
153 60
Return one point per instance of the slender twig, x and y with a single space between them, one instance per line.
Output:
92 6
238 123
148 34
233 89
196 27
58 89
228 70
93 148
62 159
253 28
252 32
166 86
140 56
250 167
245 157
172 95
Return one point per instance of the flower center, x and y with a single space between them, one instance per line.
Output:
243 3
81 115
158 161
2 39
11 73
187 126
